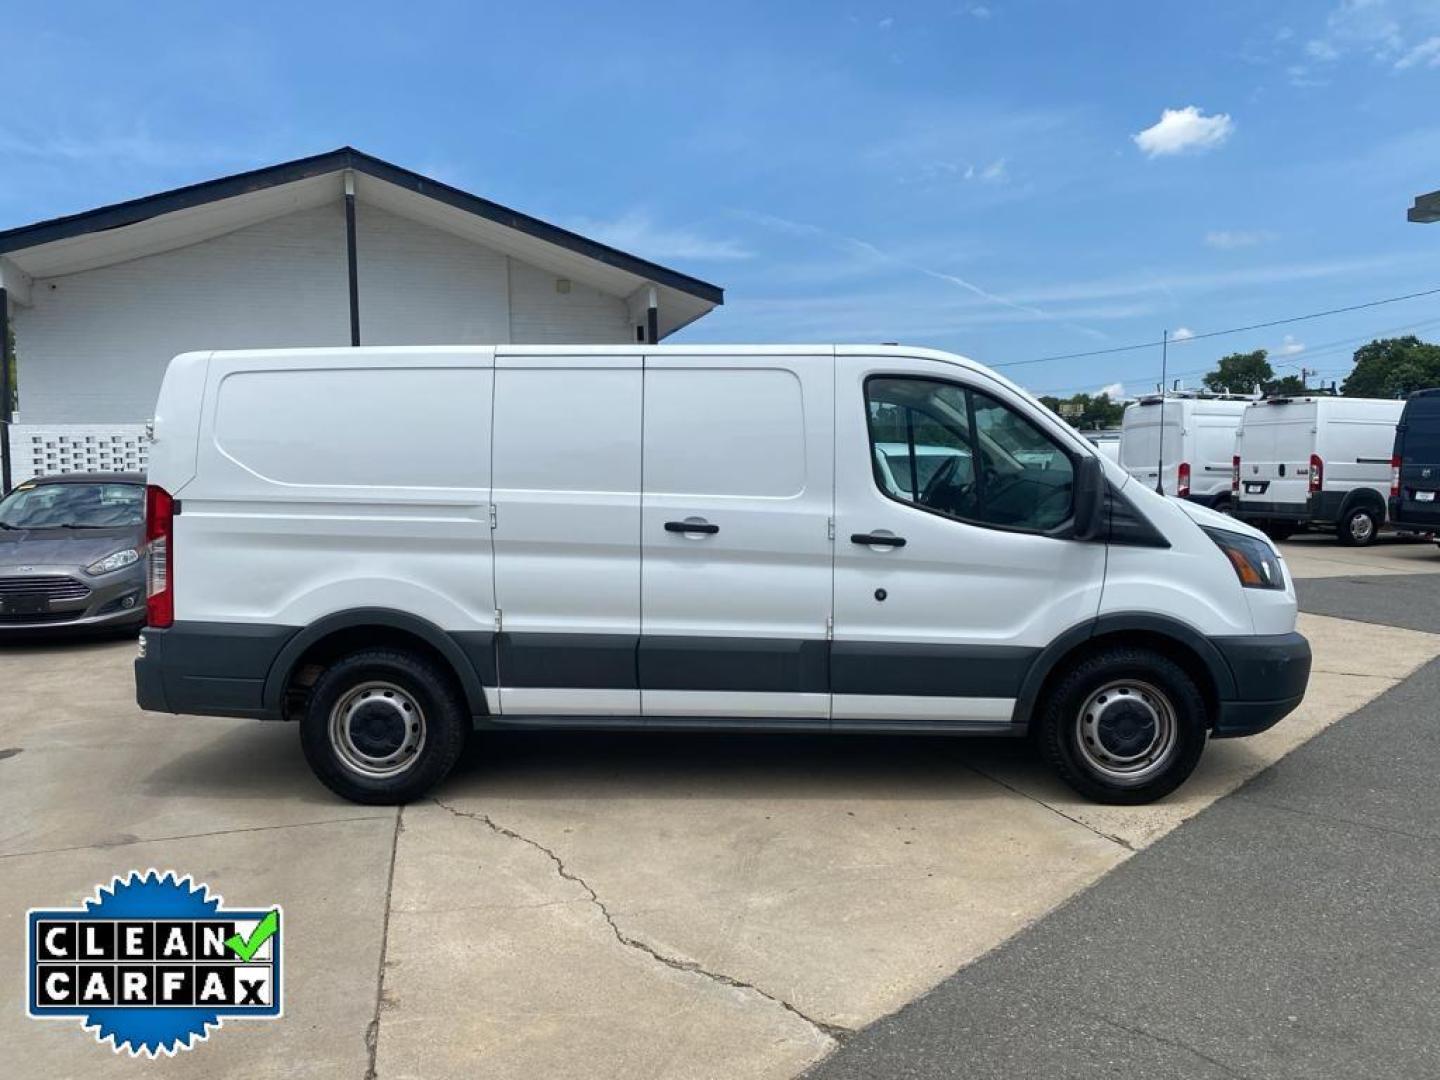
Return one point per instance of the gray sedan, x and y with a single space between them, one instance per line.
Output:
72 553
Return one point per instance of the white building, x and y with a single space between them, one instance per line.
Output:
328 250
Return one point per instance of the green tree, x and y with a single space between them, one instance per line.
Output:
1393 367
1240 373
1087 412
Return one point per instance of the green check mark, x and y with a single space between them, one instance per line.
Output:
246 948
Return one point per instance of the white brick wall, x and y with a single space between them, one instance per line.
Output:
37 450
541 315
93 346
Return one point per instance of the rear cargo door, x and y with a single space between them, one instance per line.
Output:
1141 448
1275 454
1418 447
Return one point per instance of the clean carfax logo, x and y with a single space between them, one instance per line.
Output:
152 962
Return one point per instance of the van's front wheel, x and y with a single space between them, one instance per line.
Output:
1125 725
383 726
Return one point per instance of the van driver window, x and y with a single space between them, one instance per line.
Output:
926 438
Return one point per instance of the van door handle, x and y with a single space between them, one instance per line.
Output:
877 538
691 527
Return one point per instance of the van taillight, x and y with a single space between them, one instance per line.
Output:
1395 463
1235 475
160 557
1317 473
1182 486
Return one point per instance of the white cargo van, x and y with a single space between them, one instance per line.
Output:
1316 461
394 545
1194 434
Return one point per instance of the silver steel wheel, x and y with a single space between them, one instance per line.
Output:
1362 527
1126 732
377 729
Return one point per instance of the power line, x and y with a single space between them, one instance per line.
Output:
1311 352
1219 333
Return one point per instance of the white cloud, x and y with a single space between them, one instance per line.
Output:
1427 53
1114 390
1320 49
1290 347
1183 333
636 232
886 23
1230 239
995 172
979 11
1186 130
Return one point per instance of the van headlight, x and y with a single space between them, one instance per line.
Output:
1255 562
110 563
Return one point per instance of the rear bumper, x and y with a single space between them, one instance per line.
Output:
1255 510
1409 515
208 669
1271 672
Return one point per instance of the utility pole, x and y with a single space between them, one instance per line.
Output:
1164 360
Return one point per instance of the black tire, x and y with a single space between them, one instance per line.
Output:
1359 526
421 720
1278 531
1223 505
1152 678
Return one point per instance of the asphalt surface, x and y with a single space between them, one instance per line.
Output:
1291 930
1408 600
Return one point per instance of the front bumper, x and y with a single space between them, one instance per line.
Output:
110 601
1271 672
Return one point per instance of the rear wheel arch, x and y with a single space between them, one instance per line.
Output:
328 639
1368 498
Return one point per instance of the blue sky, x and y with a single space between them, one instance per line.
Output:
1000 178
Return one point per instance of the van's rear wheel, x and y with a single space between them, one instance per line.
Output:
1278 531
1359 527
383 726
1125 725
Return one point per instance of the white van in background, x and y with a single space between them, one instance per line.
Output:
1198 432
393 546
1107 442
1316 461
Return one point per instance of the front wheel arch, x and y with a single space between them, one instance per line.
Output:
1188 648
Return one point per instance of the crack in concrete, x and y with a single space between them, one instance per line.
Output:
1054 810
106 845
372 1029
835 1032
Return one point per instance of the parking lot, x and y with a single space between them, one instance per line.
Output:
671 906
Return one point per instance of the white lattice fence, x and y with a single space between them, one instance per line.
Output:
46 449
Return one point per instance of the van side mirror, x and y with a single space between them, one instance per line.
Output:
1089 498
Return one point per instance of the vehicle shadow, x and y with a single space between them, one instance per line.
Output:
588 765
250 760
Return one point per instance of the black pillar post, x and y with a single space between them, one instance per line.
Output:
6 391
351 262
652 319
